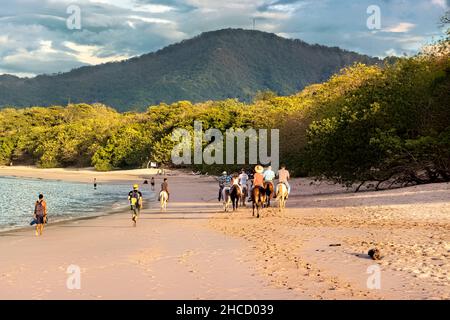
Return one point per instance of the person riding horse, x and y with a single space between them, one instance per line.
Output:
243 179
283 177
224 182
235 191
258 178
269 175
258 192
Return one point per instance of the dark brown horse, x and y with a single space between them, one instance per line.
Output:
235 195
268 186
258 199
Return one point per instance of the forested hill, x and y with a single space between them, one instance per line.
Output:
230 63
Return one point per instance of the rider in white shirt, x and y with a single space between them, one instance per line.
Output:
243 178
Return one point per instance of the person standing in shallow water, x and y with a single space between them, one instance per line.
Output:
152 183
40 214
95 183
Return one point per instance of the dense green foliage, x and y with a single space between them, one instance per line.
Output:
367 123
230 63
395 128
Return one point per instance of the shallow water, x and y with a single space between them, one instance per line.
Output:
65 200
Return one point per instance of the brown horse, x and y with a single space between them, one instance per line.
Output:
258 199
235 195
268 186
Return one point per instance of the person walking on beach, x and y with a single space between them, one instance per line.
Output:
165 187
135 199
284 177
40 214
152 183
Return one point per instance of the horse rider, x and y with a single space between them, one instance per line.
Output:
243 179
165 187
224 182
258 178
284 177
269 175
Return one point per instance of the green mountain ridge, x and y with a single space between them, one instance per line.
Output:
228 63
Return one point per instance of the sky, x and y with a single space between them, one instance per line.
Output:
50 36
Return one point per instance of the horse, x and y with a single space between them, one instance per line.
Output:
226 198
258 199
282 193
268 187
244 195
163 198
235 195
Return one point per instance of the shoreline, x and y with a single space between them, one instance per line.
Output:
82 175
32 173
64 221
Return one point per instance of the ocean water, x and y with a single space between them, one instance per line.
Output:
65 200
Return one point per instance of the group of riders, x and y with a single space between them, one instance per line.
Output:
258 178
245 181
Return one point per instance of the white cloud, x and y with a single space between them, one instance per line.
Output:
150 20
153 8
440 3
392 53
89 54
401 27
4 40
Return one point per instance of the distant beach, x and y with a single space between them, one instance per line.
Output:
316 249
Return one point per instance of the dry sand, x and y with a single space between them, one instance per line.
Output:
195 251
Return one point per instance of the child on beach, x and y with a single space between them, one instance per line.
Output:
40 214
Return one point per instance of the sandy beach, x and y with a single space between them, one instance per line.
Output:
195 251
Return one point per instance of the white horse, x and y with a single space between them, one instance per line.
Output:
282 193
163 197
226 198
